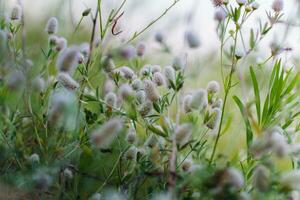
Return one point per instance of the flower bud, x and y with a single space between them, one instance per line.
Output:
220 14
213 87
104 135
125 91
67 81
151 91
192 39
241 2
53 39
52 26
140 96
155 68
16 12
183 134
61 44
255 5
128 52
186 103
214 119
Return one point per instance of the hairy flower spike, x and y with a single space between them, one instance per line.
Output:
127 73
220 14
170 75
277 5
213 87
130 154
192 39
158 79
233 177
111 99
186 103
16 12
68 59
152 141
145 108
67 81
52 26
131 136
214 119
179 62
128 52
141 48
217 2
182 134
260 178
125 91
61 44
151 91
199 100
137 84
104 135
140 96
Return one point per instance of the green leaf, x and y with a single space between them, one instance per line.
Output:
256 93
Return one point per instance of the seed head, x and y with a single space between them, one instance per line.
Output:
67 60
146 70
128 52
192 39
155 68
53 39
34 158
277 5
214 119
151 91
183 134
111 99
104 135
61 44
218 103
16 12
199 100
233 177
67 81
68 173
158 79
52 26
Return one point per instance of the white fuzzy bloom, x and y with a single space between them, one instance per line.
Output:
140 96
152 141
85 49
217 2
96 196
109 86
151 90
128 52
199 100
279 143
15 80
155 68
68 173
61 44
67 81
130 154
213 87
186 103
111 99
233 177
255 5
107 63
158 79
38 84
127 73
125 91
179 62
67 59
261 178
140 49
241 2
145 108
291 180
146 70
192 39
215 117
52 26
137 84
183 134
104 135
220 14
277 5
294 195
217 104
53 39
170 74
16 12
34 158
131 136
187 164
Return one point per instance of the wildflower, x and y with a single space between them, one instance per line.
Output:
15 80
214 119
155 68
85 49
109 86
170 75
158 79
131 136
52 26
130 154
277 5
152 141
141 48
220 14
128 52
96 196
186 103
42 181
260 178
151 91
187 164
145 108
38 84
217 2
255 5
67 81
179 63
111 99
146 70
104 135
159 37
291 180
213 87
127 73
16 12
217 104
199 100
68 173
241 2
233 177
192 39
140 96
278 142
61 44
53 39
34 158
182 134
67 59
125 91
137 84
107 63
